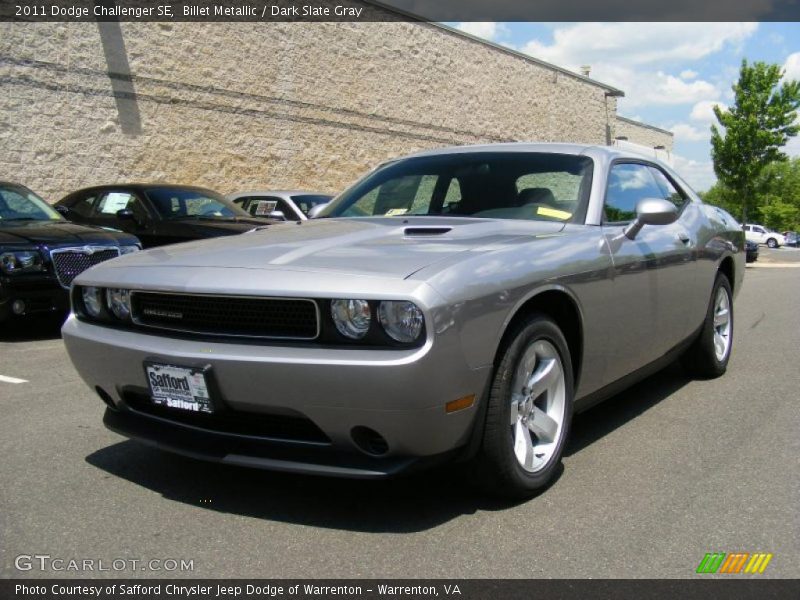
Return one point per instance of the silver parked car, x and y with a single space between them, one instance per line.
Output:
458 304
284 205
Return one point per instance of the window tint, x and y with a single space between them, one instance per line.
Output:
627 185
669 191
498 185
83 205
176 203
20 204
407 195
306 202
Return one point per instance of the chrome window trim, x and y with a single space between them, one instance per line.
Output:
317 312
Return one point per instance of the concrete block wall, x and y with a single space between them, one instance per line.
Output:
284 105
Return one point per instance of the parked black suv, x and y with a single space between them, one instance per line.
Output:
41 253
158 214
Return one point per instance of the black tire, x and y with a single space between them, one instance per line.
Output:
772 243
498 470
701 360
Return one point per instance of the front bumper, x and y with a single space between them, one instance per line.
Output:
41 294
294 408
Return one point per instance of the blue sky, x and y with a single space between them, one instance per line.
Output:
672 73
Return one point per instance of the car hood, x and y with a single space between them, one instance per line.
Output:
214 227
382 247
59 233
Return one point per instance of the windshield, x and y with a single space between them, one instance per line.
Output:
177 203
497 185
18 203
306 202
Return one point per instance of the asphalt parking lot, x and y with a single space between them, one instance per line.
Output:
653 479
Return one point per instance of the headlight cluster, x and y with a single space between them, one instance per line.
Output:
401 320
105 303
123 250
389 323
20 261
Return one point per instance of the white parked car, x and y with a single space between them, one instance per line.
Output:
284 205
762 235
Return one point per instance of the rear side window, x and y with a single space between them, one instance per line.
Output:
83 205
628 183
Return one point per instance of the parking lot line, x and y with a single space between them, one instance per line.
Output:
6 379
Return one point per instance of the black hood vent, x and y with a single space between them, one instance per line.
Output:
415 231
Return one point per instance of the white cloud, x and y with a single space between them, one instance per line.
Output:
644 87
689 133
703 111
698 174
486 30
635 56
792 148
792 66
638 43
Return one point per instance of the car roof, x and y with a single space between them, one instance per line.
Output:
547 147
141 187
278 193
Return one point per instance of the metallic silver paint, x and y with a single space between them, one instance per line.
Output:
636 300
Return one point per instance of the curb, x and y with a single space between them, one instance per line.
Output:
773 265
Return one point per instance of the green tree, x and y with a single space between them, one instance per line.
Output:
775 196
760 122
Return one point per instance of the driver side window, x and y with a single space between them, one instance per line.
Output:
116 201
628 183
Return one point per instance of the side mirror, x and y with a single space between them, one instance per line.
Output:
126 214
64 210
277 214
651 211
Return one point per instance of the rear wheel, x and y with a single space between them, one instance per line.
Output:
529 411
709 354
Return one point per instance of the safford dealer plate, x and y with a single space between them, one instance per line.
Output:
182 388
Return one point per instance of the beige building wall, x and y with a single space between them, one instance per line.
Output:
284 105
643 134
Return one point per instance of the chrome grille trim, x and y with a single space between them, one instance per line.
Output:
137 320
64 274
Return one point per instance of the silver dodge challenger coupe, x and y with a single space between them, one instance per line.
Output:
455 305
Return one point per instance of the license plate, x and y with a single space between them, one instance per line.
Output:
182 388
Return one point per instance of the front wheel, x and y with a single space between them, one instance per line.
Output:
709 354
772 243
529 411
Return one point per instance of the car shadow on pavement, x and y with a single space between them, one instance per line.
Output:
602 419
32 329
403 505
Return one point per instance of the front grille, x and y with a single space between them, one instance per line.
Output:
238 316
71 262
272 427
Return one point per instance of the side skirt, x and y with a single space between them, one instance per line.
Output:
612 389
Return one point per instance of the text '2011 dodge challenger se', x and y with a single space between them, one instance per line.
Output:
458 304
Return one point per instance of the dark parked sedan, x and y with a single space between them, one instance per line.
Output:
41 253
751 251
792 238
158 214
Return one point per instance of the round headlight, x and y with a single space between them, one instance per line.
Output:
351 317
119 301
92 300
401 320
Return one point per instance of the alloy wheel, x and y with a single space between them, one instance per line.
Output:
537 405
